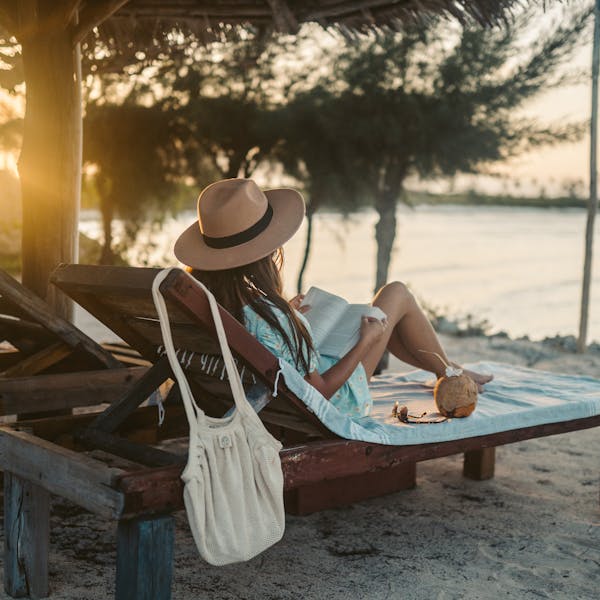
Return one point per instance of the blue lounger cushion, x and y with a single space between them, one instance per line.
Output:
517 397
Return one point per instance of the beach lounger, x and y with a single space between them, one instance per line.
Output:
321 468
42 357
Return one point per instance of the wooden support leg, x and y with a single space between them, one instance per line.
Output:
26 538
145 558
333 493
479 464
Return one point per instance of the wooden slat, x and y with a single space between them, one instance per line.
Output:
38 362
117 412
88 278
332 458
185 335
83 480
10 358
39 312
22 327
140 424
24 335
26 538
140 453
114 321
65 390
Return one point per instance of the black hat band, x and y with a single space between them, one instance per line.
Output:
229 241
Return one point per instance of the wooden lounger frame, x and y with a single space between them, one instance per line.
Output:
44 456
43 373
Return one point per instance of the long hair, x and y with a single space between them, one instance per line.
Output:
259 286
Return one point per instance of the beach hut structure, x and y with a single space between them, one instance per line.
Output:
50 34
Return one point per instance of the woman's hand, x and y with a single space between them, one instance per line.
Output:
371 330
296 301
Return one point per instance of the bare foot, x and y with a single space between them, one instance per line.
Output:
479 378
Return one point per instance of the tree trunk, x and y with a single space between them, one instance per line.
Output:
385 233
107 256
50 161
307 247
593 200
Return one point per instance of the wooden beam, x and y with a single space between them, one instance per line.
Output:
26 538
343 491
143 423
61 391
117 412
38 362
139 453
23 331
93 14
81 479
38 311
10 358
145 558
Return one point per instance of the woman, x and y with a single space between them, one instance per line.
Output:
235 250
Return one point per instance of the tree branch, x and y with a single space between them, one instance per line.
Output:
67 11
283 17
94 14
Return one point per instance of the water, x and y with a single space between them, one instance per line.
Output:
519 268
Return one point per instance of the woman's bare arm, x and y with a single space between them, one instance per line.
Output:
329 382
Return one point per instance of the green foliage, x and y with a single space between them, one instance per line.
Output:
433 101
224 95
130 146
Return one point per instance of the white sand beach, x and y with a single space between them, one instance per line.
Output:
531 532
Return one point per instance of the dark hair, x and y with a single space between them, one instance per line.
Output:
259 286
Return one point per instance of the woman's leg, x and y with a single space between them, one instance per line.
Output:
409 331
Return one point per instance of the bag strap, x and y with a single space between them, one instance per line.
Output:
193 411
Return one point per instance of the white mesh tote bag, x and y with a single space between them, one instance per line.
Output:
233 490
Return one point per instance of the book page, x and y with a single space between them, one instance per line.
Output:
325 311
346 332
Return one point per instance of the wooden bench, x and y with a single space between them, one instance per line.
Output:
137 483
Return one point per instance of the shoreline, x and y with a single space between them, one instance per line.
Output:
546 355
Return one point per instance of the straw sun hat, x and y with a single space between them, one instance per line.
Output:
238 224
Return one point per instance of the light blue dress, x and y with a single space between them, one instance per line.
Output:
353 398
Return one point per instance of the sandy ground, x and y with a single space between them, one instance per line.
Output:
531 532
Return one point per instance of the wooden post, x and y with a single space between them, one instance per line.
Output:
593 199
145 558
26 538
50 161
480 464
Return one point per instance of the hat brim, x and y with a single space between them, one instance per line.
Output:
288 213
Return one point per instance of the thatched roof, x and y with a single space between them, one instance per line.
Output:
286 15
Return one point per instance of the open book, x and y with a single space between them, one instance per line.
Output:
334 322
